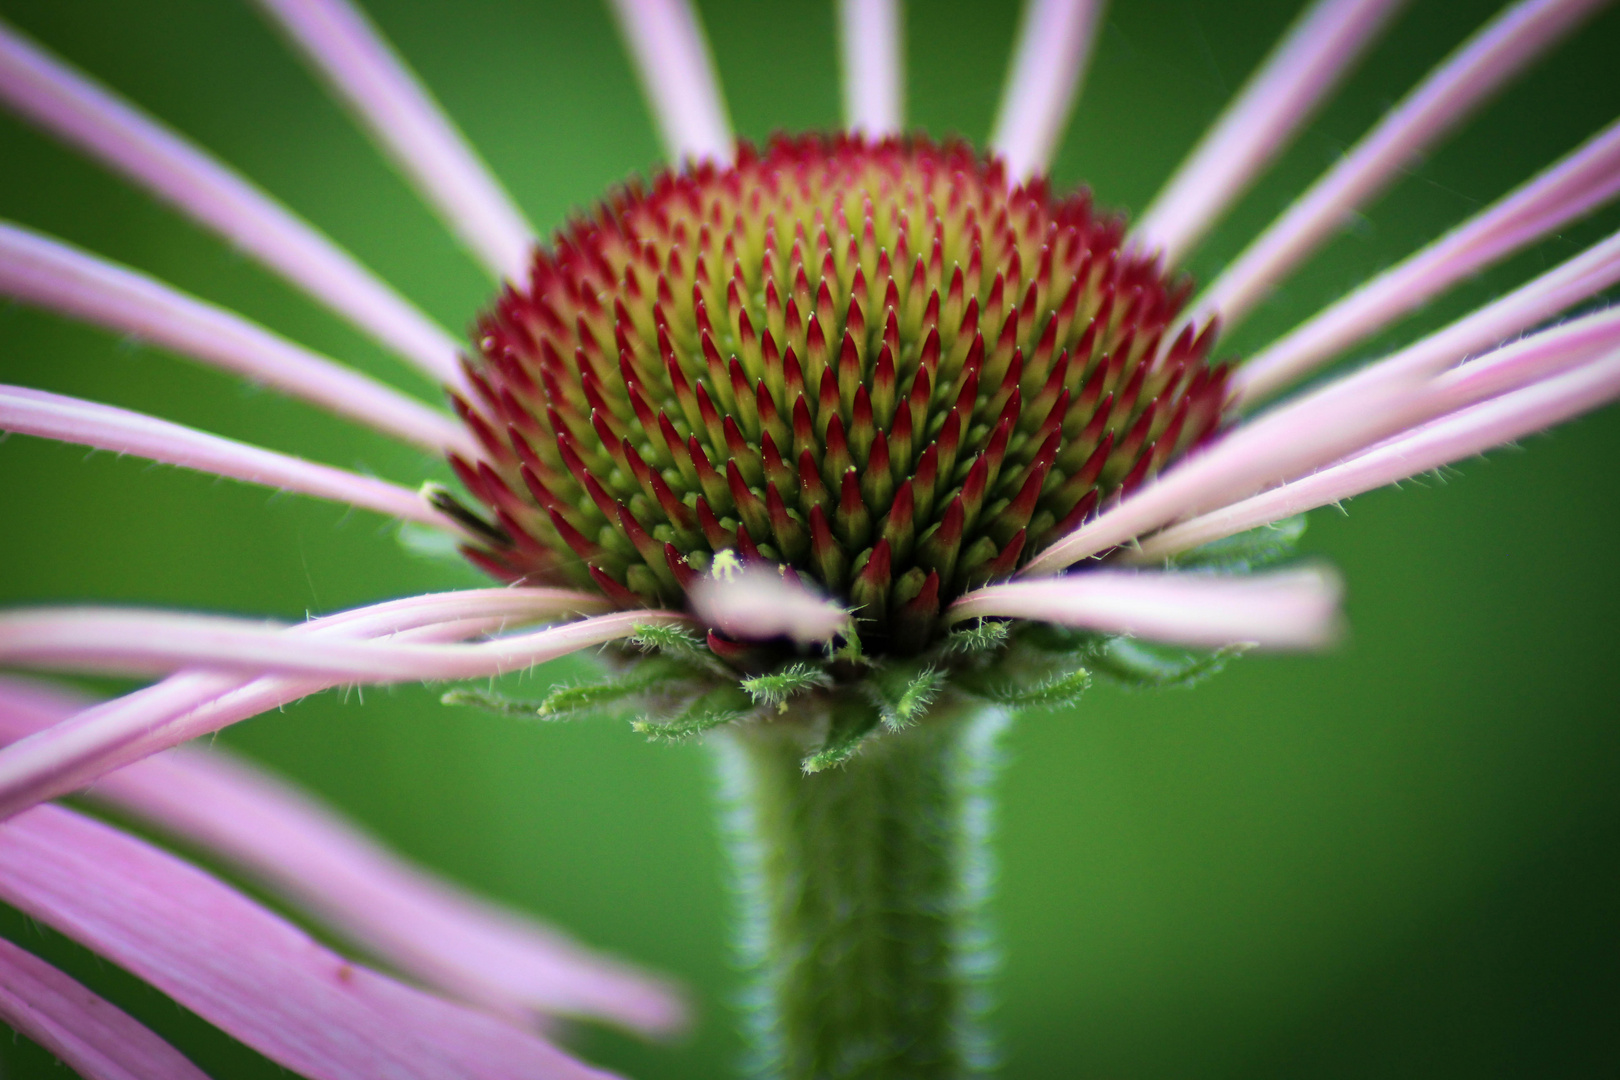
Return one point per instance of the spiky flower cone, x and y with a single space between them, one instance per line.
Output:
871 363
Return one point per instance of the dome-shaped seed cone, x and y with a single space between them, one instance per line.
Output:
870 362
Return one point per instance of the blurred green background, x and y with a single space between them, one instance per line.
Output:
1399 859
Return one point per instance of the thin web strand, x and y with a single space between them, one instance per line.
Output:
677 76
1319 50
1055 39
91 118
104 427
48 273
402 117
77 751
1461 83
873 69
1572 188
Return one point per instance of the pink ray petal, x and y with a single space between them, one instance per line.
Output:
1348 415
93 1037
1572 188
86 423
677 75
1049 61
75 752
1305 66
303 850
247 971
755 604
1290 609
1529 360
88 116
1291 440
1461 83
1460 435
409 125
46 272
874 82
127 641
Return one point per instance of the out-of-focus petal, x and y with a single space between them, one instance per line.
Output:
1049 62
95 1038
1291 609
420 925
247 971
409 125
677 75
873 70
755 604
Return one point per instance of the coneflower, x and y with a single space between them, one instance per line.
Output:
843 447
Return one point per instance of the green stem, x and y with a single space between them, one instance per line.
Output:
863 889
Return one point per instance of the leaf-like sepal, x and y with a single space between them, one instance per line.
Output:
1050 693
704 712
980 636
849 728
1134 664
1246 551
489 701
681 645
776 688
903 694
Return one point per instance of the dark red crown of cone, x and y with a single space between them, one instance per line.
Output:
873 363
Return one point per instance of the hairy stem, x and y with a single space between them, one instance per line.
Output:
863 891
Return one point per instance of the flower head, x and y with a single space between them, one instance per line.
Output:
700 372
860 416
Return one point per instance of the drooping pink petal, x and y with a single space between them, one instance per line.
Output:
1290 609
874 73
1568 190
1049 62
1460 435
1304 67
129 641
408 124
87 423
44 271
755 604
75 752
677 75
1461 83
88 116
247 971
301 849
93 1037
